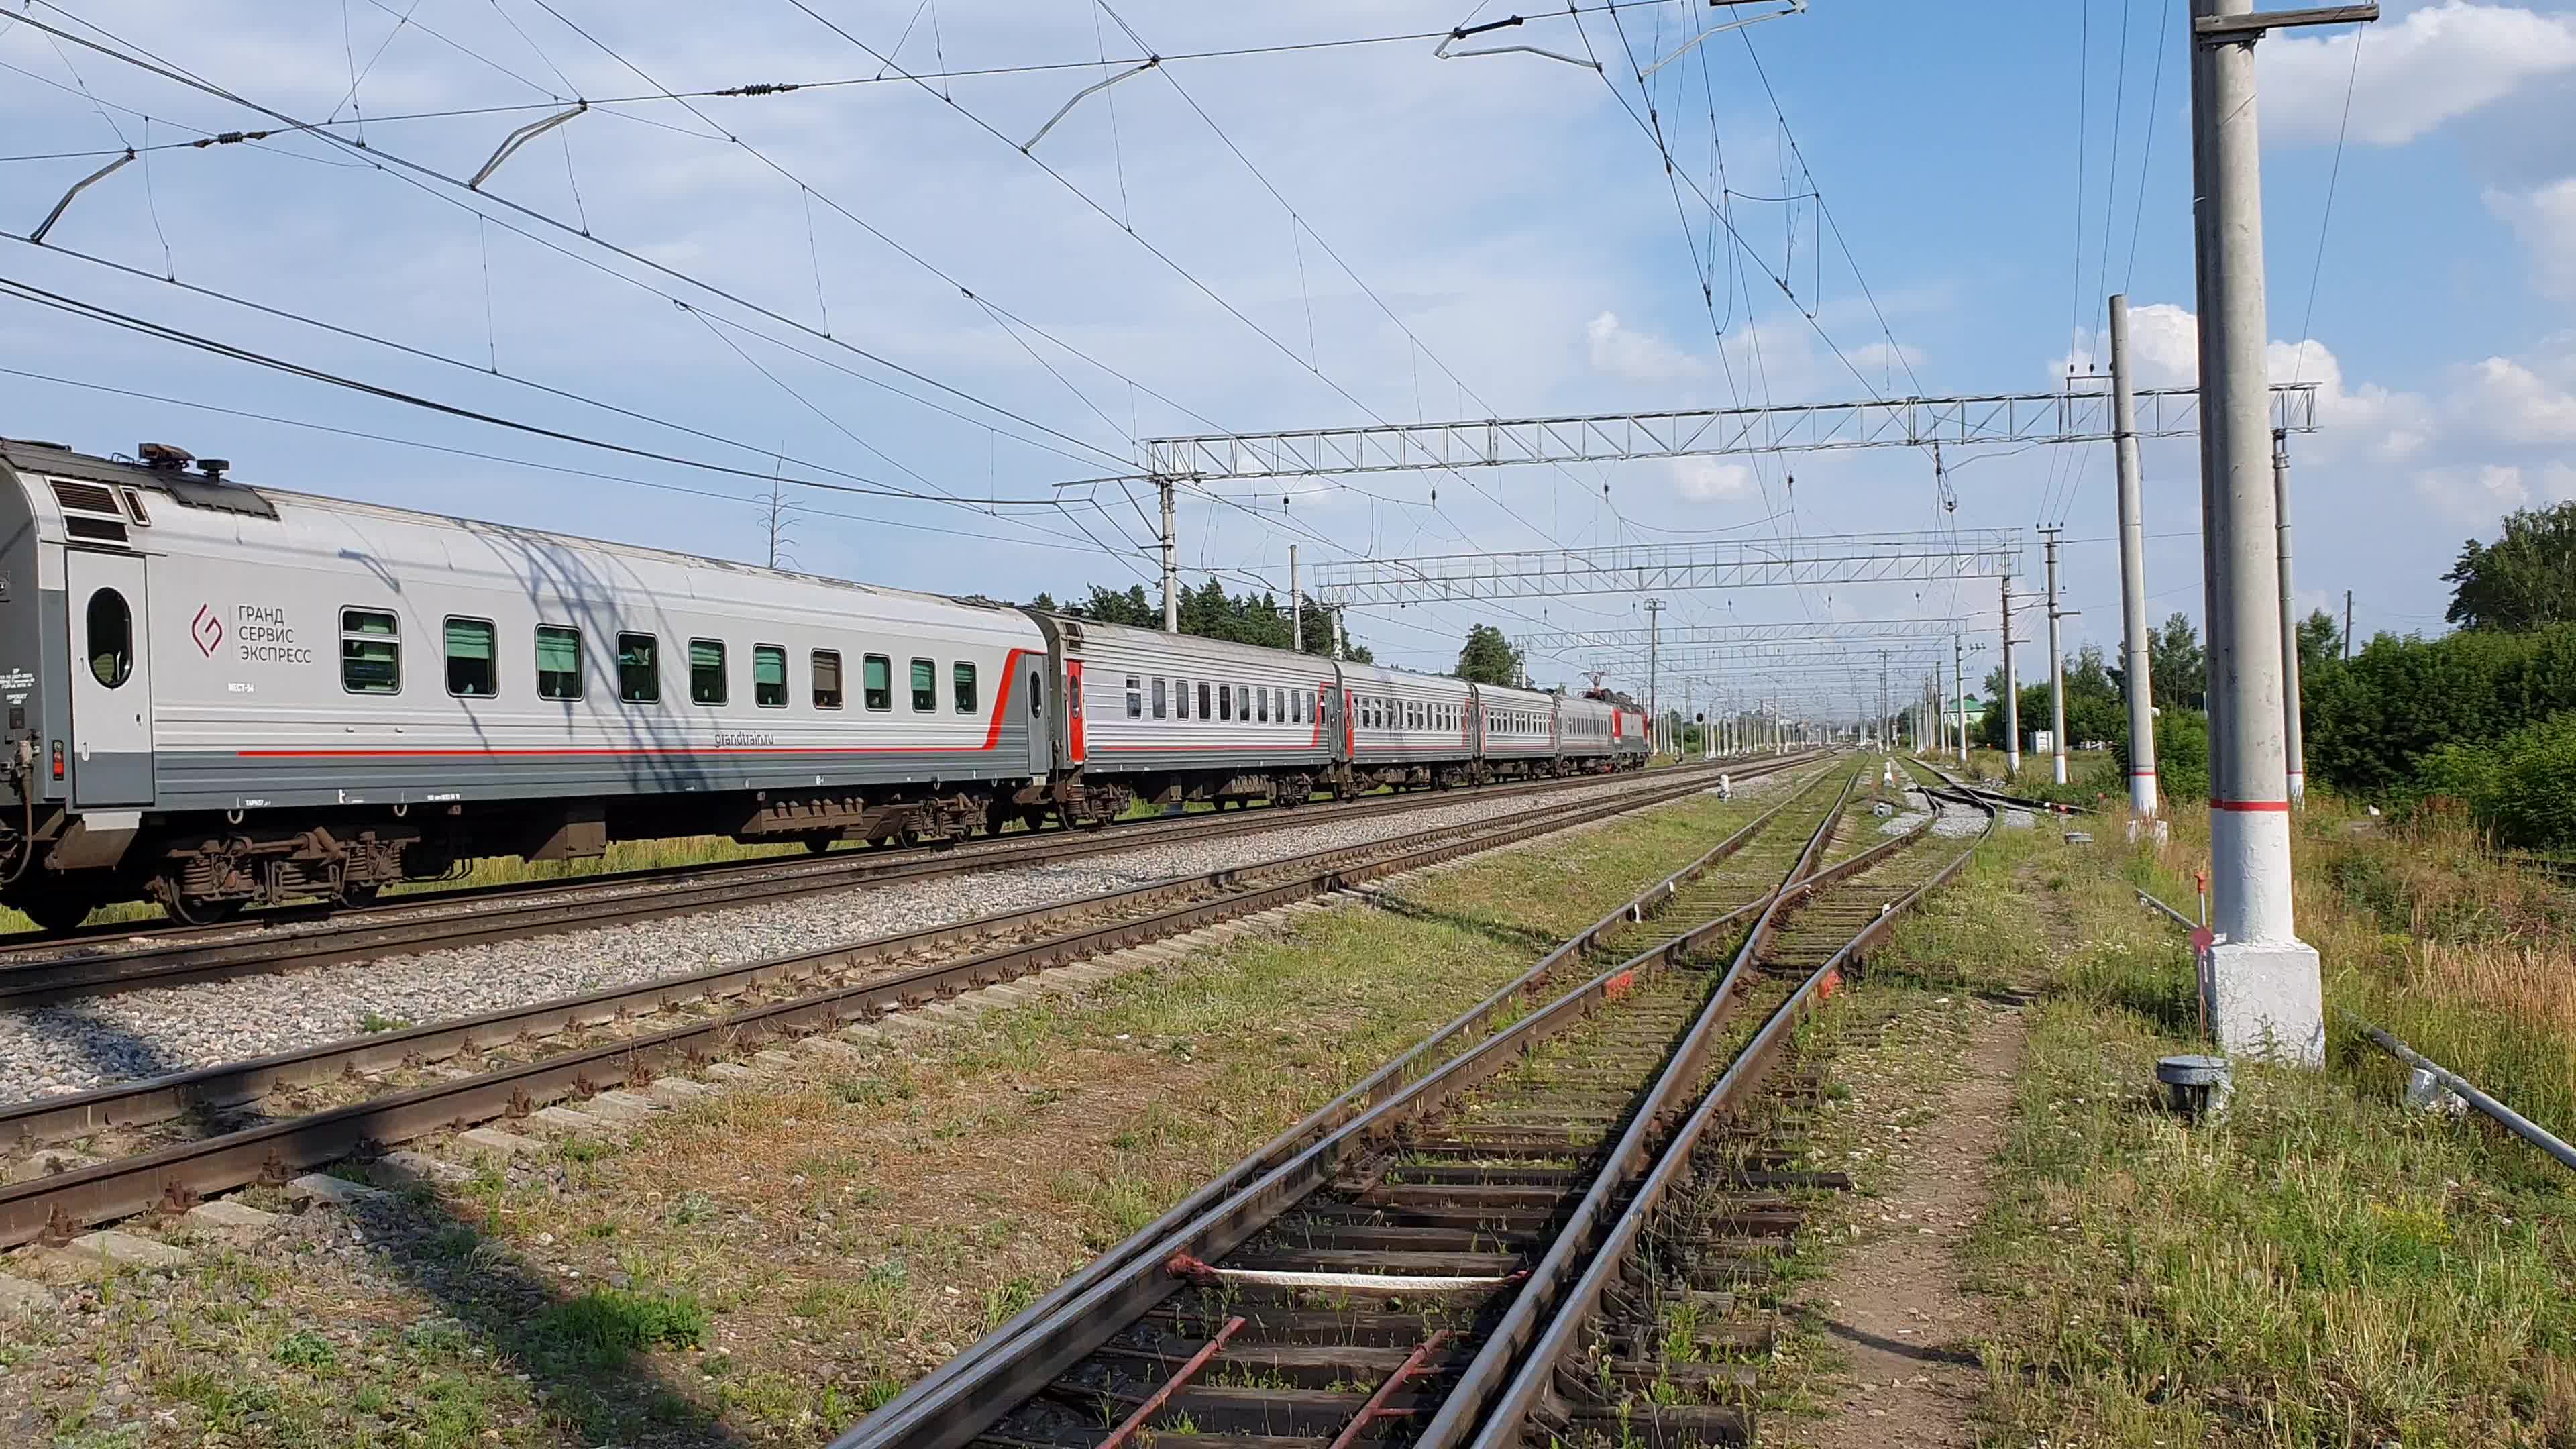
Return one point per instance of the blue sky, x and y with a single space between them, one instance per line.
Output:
1515 245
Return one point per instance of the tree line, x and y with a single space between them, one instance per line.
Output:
1487 656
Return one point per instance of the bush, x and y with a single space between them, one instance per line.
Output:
2374 723
2182 755
2521 788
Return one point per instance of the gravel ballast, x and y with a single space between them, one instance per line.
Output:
93 1043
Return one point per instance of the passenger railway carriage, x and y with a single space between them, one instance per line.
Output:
218 694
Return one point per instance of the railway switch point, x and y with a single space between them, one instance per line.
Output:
2195 1086
2268 1000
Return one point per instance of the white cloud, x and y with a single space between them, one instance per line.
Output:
2510 403
2479 493
2436 64
2545 219
1633 356
1711 480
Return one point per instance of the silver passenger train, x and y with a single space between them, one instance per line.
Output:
220 695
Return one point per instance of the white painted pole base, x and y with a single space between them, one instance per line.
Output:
2268 1000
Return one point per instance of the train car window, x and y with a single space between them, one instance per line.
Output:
827 679
1161 694
769 676
1261 705
1135 696
1279 705
370 652
639 669
1225 701
1203 701
472 672
1180 699
878 679
961 679
558 662
1037 702
925 686
707 683
111 638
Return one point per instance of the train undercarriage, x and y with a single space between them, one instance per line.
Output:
57 867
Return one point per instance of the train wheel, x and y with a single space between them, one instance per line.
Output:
819 844
56 910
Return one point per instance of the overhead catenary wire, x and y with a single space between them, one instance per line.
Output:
96 312
422 176
449 450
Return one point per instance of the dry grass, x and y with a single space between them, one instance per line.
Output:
840 1231
2319 1266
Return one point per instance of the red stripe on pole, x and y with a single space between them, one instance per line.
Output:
2283 806
2142 774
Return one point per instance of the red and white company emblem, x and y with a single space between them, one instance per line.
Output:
207 629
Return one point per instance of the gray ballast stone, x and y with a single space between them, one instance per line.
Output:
728 1072
76 1046
315 1187
621 1107
226 1216
564 1120
421 1167
677 1092
508 1144
127 1249
22 1299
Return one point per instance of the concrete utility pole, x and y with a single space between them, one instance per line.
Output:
2267 996
2012 693
1959 682
1296 607
2056 669
2293 729
1654 658
1171 562
2347 625
2133 571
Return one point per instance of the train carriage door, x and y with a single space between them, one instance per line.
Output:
1030 698
1075 744
111 681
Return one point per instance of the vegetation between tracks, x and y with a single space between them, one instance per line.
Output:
2319 1265
763 1267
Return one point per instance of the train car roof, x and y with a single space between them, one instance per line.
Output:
1193 648
222 494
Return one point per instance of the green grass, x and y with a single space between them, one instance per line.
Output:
604 1325
2318 1265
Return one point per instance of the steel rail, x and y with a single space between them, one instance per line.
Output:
1535 1309
1529 1386
952 1412
529 910
183 1172
158 1099
1153 1238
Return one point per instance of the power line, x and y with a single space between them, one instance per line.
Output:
95 312
2325 222
398 166
503 458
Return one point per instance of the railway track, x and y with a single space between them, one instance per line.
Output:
1560 1234
32 976
179 1138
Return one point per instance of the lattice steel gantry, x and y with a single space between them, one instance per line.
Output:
2001 419
1732 564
